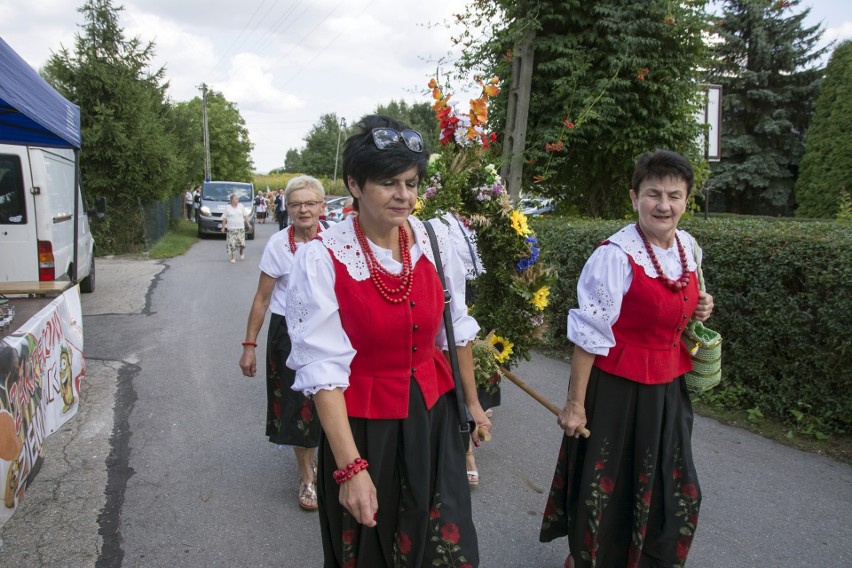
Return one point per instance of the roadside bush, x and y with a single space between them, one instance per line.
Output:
783 294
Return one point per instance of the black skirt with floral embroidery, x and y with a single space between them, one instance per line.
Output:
628 496
417 465
291 419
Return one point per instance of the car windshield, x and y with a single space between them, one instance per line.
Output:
336 203
222 192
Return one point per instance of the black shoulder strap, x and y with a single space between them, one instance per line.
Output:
464 427
469 245
324 224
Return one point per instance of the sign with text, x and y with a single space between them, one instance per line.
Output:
41 366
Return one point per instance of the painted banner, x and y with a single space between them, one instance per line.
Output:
41 366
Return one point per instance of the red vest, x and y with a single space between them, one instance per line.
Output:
393 343
647 333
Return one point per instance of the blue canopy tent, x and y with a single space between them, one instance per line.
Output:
32 113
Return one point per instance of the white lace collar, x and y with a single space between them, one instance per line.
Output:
628 240
341 241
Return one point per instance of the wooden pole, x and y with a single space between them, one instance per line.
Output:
543 401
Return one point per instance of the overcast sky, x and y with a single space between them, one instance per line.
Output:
286 62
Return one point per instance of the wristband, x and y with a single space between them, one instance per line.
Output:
344 474
252 343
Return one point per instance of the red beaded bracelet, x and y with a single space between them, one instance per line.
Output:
343 475
252 343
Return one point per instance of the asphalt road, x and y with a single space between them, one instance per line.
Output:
167 464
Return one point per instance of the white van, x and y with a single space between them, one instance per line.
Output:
37 218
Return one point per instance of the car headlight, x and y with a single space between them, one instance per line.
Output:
205 210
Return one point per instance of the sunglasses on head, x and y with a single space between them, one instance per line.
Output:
383 138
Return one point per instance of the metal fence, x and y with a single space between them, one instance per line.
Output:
159 217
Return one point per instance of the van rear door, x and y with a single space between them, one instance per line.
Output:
53 174
18 247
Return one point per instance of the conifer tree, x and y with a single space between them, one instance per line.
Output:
128 153
766 64
826 169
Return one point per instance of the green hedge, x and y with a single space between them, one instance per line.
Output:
783 294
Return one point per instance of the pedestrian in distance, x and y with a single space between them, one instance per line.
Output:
290 415
281 210
628 495
260 207
364 307
196 203
235 219
187 203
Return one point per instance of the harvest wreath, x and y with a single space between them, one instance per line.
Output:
513 291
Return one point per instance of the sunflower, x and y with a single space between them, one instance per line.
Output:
540 298
519 223
502 347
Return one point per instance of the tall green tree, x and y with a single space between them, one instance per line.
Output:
128 152
321 146
826 168
292 161
230 146
766 64
611 79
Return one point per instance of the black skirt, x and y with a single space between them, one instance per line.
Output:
417 465
291 418
628 496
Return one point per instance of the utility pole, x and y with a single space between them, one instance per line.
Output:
206 133
516 116
340 127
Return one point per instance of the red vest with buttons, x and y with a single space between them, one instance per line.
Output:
393 343
647 333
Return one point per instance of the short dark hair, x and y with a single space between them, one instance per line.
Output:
363 161
661 164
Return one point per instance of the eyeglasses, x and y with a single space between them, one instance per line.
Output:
383 138
298 205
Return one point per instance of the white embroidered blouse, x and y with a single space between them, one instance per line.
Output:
321 351
607 276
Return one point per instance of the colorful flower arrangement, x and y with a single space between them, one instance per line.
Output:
463 177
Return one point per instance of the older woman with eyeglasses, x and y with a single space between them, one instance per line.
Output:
364 307
290 415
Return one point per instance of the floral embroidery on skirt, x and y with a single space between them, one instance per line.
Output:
630 490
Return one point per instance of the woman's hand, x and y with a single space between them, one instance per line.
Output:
481 421
248 362
358 496
704 307
572 418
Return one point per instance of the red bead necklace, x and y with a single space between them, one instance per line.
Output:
673 285
377 271
291 236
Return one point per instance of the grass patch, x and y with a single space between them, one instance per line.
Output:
176 241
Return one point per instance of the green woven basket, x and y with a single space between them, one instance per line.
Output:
705 345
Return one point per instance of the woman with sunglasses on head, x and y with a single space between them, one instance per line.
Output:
290 415
364 309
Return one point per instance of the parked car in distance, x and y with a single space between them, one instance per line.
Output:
534 206
334 207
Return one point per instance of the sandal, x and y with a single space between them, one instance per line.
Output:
472 477
472 474
308 496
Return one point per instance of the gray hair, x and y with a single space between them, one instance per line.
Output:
304 182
